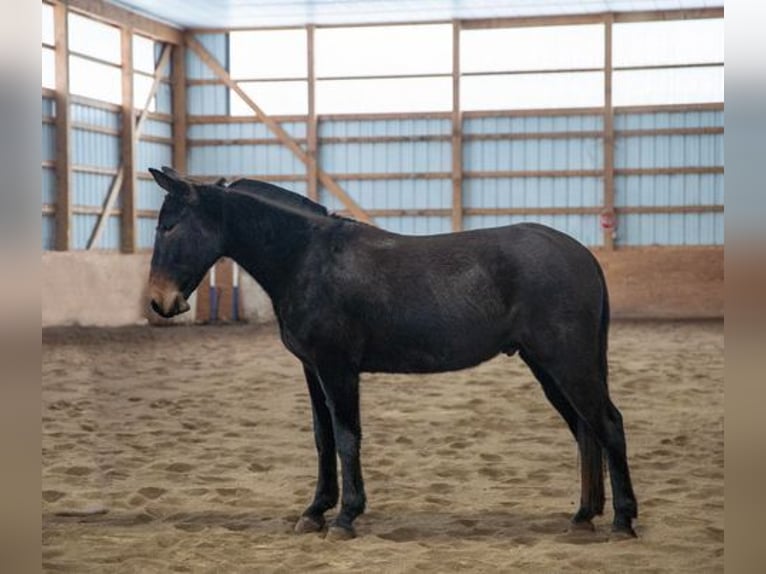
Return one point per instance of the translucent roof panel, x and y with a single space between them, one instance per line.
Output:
269 13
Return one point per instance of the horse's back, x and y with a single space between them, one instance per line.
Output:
440 302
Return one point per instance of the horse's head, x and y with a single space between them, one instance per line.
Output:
189 240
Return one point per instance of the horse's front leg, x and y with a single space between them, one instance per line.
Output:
341 388
326 495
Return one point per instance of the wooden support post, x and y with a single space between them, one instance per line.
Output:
311 121
179 108
63 171
457 133
121 173
609 212
128 145
324 178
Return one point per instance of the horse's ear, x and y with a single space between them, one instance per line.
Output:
169 180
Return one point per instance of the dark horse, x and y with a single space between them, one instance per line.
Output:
351 298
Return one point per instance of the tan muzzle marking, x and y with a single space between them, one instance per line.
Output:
165 296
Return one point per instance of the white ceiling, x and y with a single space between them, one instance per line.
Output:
268 13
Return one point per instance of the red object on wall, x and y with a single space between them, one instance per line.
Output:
608 220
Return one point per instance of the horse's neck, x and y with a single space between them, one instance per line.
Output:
266 241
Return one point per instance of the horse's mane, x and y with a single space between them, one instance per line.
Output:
277 194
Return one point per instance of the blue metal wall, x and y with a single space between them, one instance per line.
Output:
499 152
268 161
95 158
546 153
153 152
669 190
48 173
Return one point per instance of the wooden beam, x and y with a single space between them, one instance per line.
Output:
324 178
63 155
239 141
708 130
535 135
570 19
127 169
457 133
180 133
670 209
539 112
537 173
311 123
610 232
128 144
532 210
659 108
526 21
112 14
654 15
669 170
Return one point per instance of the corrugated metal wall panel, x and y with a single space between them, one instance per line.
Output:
669 151
533 192
394 194
396 157
157 128
669 190
207 100
90 189
82 228
95 149
145 228
392 127
531 124
49 232
238 130
48 142
254 160
650 121
49 185
152 154
671 229
149 195
217 45
585 228
164 98
49 107
542 154
95 116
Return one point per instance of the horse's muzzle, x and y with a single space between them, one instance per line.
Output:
177 306
166 300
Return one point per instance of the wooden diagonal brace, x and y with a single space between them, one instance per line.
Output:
278 131
111 197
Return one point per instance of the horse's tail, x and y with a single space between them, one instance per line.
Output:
603 328
591 453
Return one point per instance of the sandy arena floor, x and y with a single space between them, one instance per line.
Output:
189 449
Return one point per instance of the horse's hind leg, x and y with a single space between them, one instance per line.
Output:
326 495
588 395
591 459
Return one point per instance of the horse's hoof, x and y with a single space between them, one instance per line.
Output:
622 533
581 526
340 533
308 524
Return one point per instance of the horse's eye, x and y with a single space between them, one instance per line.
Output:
165 228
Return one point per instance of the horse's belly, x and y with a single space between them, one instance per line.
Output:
428 356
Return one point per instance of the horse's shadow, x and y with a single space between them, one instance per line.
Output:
511 527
